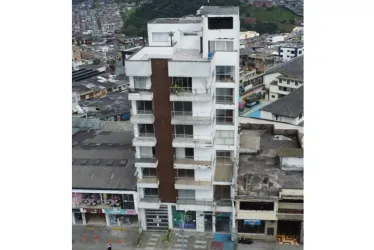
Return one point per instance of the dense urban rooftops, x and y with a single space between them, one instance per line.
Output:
293 68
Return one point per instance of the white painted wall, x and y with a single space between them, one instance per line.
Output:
204 194
203 174
269 116
269 78
287 55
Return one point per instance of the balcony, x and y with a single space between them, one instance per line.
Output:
142 116
138 94
150 203
148 182
144 140
146 162
186 94
223 172
191 118
225 102
185 204
191 162
224 205
184 183
192 141
290 211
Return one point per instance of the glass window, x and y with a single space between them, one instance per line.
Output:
149 172
140 82
246 226
186 194
150 192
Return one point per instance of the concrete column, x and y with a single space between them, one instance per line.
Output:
302 233
84 219
107 219
170 217
73 218
214 222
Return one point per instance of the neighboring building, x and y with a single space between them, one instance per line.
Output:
269 199
275 38
261 61
184 89
290 51
248 79
103 178
288 109
285 78
246 35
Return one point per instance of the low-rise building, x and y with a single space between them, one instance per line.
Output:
269 199
285 78
103 179
288 109
291 50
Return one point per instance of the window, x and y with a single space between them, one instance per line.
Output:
301 115
300 51
150 192
221 46
160 36
186 194
128 201
184 130
281 50
217 23
184 108
288 81
276 117
273 96
189 152
296 83
280 80
182 84
149 172
293 52
146 130
245 227
225 73
140 82
185 173
256 206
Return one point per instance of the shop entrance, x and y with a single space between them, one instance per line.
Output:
289 231
223 222
78 218
208 222
95 218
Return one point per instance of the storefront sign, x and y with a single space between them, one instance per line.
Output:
252 222
223 214
93 211
120 211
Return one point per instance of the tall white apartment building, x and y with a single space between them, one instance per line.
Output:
184 94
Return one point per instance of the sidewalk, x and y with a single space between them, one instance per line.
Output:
268 246
97 237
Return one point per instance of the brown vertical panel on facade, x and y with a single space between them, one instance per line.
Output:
162 108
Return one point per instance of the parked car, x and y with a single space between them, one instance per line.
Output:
251 104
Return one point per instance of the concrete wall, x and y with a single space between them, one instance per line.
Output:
269 78
263 237
256 215
292 163
270 116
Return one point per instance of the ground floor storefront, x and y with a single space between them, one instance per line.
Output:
105 217
265 230
290 232
168 217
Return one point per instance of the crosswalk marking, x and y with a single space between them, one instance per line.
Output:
200 246
182 240
200 241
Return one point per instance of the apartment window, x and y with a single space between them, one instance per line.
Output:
186 194
185 173
146 130
288 81
296 83
140 82
273 96
224 116
300 51
150 192
185 107
149 172
225 73
224 95
293 52
219 23
257 206
160 36
128 201
182 84
245 226
183 130
144 107
220 46
281 50
280 80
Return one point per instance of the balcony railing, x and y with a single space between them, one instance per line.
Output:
224 99
224 160
191 182
193 201
192 160
188 91
146 135
195 115
139 90
224 120
146 159
142 112
191 118
223 202
196 139
225 78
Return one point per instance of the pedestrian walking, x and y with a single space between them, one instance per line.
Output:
110 247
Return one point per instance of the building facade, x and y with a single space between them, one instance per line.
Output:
289 52
184 94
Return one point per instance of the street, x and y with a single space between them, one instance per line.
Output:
98 237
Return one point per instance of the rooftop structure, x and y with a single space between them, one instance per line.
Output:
103 160
291 106
260 173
